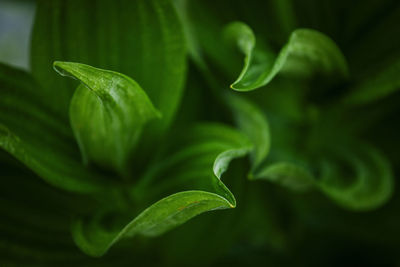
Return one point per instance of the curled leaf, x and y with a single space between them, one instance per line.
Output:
307 51
358 179
107 113
142 39
195 164
160 217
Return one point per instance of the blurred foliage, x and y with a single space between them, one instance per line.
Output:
284 110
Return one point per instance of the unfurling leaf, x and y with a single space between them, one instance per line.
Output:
358 179
148 135
307 51
107 113
195 164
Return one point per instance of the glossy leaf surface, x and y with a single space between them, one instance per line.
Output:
196 165
107 113
142 39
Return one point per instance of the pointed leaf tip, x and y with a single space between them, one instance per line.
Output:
107 113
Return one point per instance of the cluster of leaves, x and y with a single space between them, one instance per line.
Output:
139 143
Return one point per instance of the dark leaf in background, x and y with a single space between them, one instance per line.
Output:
33 133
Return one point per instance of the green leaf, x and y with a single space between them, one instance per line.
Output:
203 24
31 131
292 176
242 36
142 39
359 179
107 113
252 122
307 51
193 164
160 217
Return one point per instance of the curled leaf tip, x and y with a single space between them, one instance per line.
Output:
307 52
107 113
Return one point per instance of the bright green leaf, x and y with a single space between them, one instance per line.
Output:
307 51
107 113
142 39
195 164
160 217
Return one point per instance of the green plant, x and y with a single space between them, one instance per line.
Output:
141 145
